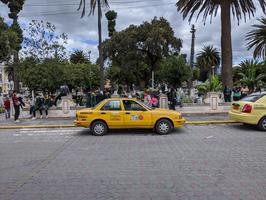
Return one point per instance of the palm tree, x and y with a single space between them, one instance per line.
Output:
239 9
100 4
207 60
78 57
250 78
257 38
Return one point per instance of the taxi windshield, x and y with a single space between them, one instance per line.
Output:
252 97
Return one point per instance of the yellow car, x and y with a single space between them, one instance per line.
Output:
250 110
125 113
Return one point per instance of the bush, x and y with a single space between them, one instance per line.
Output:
2 110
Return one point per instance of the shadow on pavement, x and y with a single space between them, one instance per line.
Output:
246 127
144 132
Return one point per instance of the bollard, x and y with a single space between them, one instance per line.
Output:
214 100
163 101
65 105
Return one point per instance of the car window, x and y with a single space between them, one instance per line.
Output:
112 105
132 106
253 98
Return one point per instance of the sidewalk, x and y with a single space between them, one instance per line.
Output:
68 122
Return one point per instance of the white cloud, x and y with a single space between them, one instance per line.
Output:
80 31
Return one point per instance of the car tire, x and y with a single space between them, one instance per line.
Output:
262 124
163 127
99 128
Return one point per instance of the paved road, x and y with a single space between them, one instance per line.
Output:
215 162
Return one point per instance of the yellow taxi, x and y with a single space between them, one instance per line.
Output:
125 113
250 110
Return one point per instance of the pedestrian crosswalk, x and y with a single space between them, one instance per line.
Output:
35 132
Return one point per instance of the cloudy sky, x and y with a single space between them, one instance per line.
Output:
82 33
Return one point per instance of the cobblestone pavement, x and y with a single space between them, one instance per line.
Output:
208 162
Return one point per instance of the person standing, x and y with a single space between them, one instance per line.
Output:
172 99
7 107
46 104
16 104
227 94
244 91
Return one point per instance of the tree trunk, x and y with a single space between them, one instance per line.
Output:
100 44
226 45
15 72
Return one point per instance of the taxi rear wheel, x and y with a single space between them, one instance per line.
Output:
164 127
99 128
262 124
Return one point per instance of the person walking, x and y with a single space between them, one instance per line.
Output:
7 107
16 104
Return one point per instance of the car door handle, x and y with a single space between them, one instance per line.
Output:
103 113
127 113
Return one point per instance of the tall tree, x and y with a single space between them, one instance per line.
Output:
257 39
138 50
15 6
207 60
42 41
99 4
239 8
111 16
8 41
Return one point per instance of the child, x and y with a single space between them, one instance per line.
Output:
7 107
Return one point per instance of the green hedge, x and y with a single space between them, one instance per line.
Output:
2 110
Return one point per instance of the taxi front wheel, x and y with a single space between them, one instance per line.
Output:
99 128
164 127
262 124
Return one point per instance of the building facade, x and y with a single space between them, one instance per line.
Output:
5 85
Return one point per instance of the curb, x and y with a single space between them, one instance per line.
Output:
38 126
212 122
72 125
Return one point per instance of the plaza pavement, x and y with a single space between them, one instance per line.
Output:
196 162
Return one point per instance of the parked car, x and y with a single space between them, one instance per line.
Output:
126 113
250 110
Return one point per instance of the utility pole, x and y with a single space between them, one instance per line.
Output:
192 53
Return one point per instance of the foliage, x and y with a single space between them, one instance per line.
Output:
206 59
8 40
42 41
259 67
137 50
257 39
111 16
93 3
173 71
81 75
209 8
15 6
49 74
41 76
250 78
78 57
213 84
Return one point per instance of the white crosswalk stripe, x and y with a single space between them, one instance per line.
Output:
46 132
